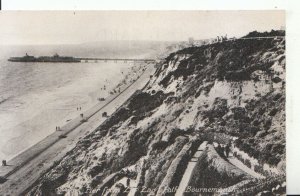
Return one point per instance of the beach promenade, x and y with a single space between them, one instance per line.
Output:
23 170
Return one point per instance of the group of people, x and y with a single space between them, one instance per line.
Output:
78 108
57 128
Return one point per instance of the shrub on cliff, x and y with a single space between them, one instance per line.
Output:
160 145
2 179
144 102
265 34
96 169
239 113
219 109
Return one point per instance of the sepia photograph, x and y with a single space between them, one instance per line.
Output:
140 103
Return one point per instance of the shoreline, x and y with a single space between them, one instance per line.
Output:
55 107
38 148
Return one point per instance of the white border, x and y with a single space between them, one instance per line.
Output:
141 4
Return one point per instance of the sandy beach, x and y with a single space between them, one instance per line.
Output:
35 161
38 113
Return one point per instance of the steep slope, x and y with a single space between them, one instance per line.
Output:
234 88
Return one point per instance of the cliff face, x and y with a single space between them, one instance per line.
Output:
234 88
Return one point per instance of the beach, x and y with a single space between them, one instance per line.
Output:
30 164
46 95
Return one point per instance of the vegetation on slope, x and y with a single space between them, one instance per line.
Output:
183 101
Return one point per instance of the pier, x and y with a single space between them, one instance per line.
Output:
115 60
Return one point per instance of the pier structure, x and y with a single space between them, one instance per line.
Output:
115 60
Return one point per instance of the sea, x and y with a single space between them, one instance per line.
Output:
37 97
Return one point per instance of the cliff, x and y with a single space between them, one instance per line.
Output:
234 88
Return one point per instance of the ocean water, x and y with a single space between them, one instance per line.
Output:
37 97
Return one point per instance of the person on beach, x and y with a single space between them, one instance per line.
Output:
4 163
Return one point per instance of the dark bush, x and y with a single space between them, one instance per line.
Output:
247 163
252 129
261 111
276 80
277 96
273 112
239 113
265 34
96 169
278 148
272 160
160 145
2 179
219 109
255 122
267 124
96 181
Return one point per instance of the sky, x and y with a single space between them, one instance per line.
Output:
69 27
